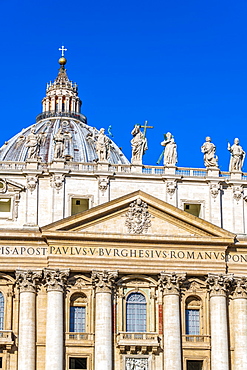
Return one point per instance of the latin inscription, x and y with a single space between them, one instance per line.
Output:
151 254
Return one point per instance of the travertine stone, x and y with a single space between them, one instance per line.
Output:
103 281
218 285
55 282
240 323
170 284
27 281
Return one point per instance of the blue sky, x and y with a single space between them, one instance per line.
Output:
181 65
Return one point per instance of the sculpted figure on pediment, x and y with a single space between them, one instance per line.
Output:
209 149
237 156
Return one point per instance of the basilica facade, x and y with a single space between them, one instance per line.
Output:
109 264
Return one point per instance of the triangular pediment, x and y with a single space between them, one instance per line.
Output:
138 215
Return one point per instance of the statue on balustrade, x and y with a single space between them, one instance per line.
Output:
138 144
237 156
102 146
59 140
33 145
209 149
170 151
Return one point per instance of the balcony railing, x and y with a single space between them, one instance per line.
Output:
89 337
50 114
147 338
6 337
196 338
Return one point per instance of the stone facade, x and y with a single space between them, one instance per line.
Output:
107 265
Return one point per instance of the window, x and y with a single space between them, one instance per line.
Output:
5 205
193 209
77 319
79 205
194 365
77 322
192 322
77 363
192 316
1 312
136 313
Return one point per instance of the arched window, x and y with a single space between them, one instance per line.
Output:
136 313
1 311
77 322
192 316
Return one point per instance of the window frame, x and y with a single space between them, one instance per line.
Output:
126 311
89 197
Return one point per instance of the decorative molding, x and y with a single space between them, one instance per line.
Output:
57 182
214 190
170 282
103 183
237 192
104 281
55 279
218 283
138 219
171 187
136 363
32 183
239 287
27 280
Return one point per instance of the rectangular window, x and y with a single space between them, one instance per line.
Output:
5 205
79 205
1 362
194 365
192 322
77 363
77 319
193 209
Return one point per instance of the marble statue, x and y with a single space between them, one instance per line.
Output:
102 146
209 149
33 145
170 151
138 144
237 156
59 140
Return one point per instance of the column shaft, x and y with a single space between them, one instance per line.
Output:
219 333
26 347
54 330
103 331
172 333
240 331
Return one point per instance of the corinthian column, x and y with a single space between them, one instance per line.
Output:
170 284
27 280
240 323
218 285
55 283
103 282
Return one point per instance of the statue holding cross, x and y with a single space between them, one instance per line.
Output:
139 143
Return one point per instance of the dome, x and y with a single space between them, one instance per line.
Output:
79 142
61 131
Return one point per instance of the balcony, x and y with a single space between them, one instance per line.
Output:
6 338
79 339
193 341
138 342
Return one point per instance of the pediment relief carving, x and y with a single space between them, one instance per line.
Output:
8 186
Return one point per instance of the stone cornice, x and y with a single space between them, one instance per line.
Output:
104 280
27 280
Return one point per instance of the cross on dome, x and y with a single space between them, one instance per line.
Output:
62 49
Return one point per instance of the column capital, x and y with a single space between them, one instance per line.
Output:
170 282
239 287
55 279
27 279
104 280
218 284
